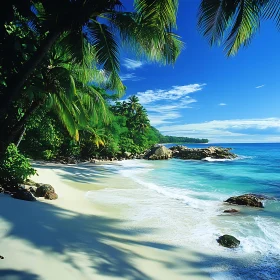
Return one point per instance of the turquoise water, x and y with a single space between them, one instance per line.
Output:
194 191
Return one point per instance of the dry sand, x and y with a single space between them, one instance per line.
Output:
72 238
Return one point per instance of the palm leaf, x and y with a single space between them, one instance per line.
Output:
214 17
245 25
271 10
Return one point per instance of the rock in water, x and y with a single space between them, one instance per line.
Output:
158 152
202 153
246 199
43 189
228 241
51 195
231 211
24 195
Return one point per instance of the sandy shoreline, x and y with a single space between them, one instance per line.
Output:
73 238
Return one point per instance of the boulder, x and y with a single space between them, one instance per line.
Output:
24 195
228 241
231 211
42 189
183 152
158 152
51 195
247 200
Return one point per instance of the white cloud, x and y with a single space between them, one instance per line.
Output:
173 94
236 130
260 86
165 105
130 77
222 104
132 64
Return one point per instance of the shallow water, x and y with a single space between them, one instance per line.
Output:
185 199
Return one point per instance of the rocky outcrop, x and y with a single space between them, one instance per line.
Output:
247 200
228 241
42 189
23 195
51 195
231 211
183 152
158 152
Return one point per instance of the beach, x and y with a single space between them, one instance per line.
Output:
74 238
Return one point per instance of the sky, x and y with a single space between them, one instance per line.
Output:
206 94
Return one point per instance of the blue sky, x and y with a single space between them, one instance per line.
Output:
207 95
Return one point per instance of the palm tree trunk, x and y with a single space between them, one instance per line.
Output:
16 81
21 136
14 134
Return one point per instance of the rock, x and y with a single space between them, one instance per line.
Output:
24 195
51 195
1 189
183 152
33 189
231 211
228 241
246 199
29 182
127 154
158 152
43 189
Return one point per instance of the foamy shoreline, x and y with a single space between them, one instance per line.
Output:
72 238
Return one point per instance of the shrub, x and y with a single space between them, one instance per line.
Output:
15 168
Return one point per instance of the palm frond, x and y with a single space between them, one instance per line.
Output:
159 12
245 25
214 17
107 53
146 40
271 10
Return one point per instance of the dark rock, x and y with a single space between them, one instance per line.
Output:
183 152
24 195
228 241
33 189
158 152
231 211
246 199
51 195
43 189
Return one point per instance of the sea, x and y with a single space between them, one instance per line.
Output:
185 198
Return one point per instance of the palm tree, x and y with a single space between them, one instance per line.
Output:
233 23
147 30
89 30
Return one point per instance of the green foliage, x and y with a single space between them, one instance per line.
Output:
14 168
233 23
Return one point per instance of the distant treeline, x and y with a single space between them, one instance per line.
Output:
175 139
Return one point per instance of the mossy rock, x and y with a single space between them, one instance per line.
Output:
228 241
51 195
43 189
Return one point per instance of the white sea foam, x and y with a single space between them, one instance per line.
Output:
216 159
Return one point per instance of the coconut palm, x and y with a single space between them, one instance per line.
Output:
233 23
92 32
148 31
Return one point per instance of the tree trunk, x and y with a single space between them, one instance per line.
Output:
21 136
14 133
16 81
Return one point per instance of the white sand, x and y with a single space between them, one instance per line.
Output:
71 238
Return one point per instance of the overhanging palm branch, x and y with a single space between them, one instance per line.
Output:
233 23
